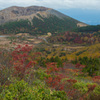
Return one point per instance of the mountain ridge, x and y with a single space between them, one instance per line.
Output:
14 12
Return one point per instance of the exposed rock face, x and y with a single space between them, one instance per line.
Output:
14 13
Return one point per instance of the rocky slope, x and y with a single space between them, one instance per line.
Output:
14 13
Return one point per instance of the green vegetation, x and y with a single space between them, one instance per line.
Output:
92 65
90 28
15 27
38 26
21 90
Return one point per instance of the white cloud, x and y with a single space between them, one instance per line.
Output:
56 4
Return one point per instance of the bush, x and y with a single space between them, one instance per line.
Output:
97 90
20 90
81 87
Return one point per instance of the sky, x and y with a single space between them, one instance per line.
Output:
87 11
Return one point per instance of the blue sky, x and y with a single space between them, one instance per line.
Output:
87 11
89 16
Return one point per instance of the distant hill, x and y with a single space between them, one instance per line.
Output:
35 20
90 28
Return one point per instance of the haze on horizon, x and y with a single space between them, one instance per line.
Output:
87 11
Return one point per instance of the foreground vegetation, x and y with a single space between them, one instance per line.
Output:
26 73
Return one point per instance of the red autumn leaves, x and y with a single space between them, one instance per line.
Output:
22 60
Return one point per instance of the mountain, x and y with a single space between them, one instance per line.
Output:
35 19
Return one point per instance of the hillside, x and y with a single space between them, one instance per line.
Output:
35 20
90 51
75 38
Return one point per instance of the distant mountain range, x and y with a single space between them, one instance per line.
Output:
35 20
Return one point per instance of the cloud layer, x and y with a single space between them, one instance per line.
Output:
56 4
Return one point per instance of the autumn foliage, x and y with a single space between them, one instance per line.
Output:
69 78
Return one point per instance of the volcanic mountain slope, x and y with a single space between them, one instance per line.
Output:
35 19
17 13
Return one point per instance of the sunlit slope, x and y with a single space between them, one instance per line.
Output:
90 51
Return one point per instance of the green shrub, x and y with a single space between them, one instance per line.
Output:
20 90
97 90
81 86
